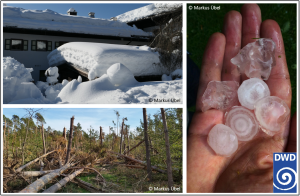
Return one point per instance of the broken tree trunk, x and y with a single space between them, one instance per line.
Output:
70 139
169 163
121 136
136 145
28 174
149 170
31 162
41 182
43 136
100 137
63 182
87 186
141 162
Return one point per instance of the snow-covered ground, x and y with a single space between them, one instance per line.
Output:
50 20
146 11
96 58
117 85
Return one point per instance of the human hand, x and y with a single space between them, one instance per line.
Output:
250 169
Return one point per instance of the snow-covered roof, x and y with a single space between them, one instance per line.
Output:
71 10
50 20
96 58
148 11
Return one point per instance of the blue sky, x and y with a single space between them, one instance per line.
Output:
105 11
58 118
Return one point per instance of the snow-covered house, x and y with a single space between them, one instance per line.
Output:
30 35
148 18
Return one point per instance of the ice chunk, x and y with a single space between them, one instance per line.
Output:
251 91
256 59
220 95
52 75
119 74
242 121
222 140
271 113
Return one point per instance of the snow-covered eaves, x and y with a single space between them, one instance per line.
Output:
154 9
49 20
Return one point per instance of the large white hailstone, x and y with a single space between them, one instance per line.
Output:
222 140
271 113
242 121
220 95
251 91
119 74
256 59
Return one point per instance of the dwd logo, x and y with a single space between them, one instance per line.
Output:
285 173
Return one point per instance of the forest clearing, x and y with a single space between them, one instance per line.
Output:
115 159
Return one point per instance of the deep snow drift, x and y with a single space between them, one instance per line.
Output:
17 83
96 58
147 11
50 20
117 85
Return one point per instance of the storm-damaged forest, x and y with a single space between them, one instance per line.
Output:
146 158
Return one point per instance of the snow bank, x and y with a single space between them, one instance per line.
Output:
177 74
147 11
86 92
96 58
17 82
119 74
50 20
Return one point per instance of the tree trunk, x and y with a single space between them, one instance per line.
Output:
4 138
41 182
63 182
43 136
100 137
33 161
136 145
70 139
28 174
24 143
169 163
149 170
141 162
121 137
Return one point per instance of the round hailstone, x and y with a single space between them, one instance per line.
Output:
242 121
251 91
222 140
271 113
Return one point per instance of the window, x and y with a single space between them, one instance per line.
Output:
41 45
16 44
60 43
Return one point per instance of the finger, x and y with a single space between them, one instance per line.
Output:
292 142
250 26
232 30
211 64
279 80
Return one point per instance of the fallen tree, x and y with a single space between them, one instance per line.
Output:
33 161
41 182
140 162
28 174
63 182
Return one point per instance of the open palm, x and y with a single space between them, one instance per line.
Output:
250 169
